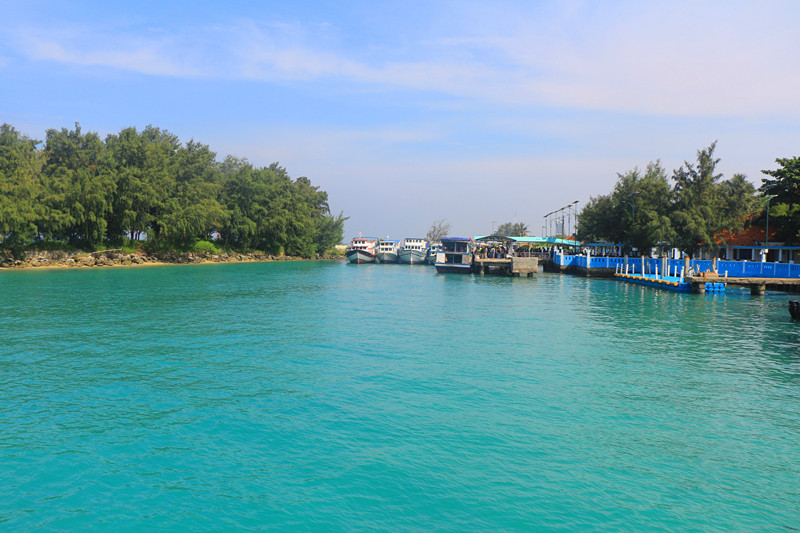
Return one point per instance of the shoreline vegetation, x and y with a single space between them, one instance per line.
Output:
48 259
694 208
149 192
688 210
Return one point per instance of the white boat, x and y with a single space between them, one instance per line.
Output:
361 250
386 252
413 251
432 251
455 255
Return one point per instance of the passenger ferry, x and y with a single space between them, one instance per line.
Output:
455 255
413 251
361 250
387 251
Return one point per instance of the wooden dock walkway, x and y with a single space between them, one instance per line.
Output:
757 285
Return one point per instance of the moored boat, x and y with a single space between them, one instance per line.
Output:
455 255
432 251
412 251
386 252
361 250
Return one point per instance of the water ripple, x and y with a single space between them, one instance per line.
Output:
332 397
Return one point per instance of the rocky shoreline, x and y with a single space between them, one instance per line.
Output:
112 258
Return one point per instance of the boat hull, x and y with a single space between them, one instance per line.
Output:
359 256
451 268
386 257
454 262
411 257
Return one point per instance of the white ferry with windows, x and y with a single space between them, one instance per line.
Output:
387 251
361 250
413 251
455 255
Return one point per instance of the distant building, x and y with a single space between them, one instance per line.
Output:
751 245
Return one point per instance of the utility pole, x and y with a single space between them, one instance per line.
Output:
766 247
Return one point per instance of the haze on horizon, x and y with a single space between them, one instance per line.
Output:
476 112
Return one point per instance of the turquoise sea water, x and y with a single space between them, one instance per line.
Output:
333 397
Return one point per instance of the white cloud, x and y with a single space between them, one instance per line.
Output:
661 59
645 58
80 46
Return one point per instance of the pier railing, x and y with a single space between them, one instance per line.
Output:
736 269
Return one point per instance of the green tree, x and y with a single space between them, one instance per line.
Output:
635 212
20 188
275 228
270 212
649 196
143 164
784 186
599 220
512 229
329 231
192 210
78 187
785 182
308 204
704 206
243 194
738 201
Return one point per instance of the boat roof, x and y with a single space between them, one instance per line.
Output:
539 240
456 239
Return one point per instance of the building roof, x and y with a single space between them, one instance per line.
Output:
752 236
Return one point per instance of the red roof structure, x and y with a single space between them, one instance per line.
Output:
751 236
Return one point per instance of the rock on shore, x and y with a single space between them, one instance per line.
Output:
108 258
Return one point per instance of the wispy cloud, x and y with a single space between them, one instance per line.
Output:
82 46
638 57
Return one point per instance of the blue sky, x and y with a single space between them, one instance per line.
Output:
410 112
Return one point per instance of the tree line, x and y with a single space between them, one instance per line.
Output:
645 210
782 188
515 229
147 186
